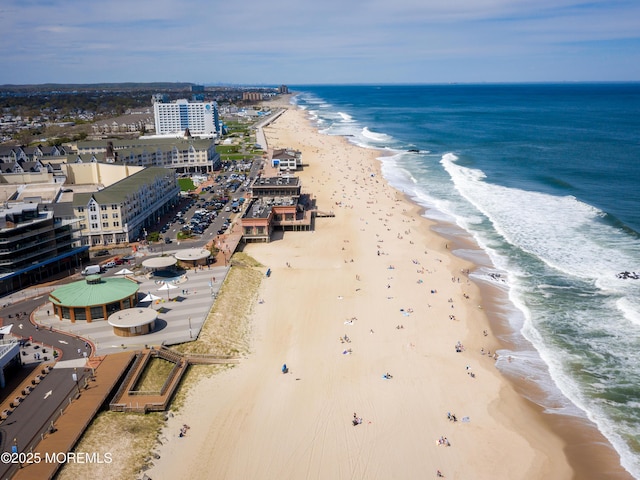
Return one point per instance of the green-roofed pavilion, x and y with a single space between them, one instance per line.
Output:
93 298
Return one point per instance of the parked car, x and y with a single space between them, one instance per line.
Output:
110 264
91 270
102 253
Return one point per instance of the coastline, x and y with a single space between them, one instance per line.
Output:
588 451
306 310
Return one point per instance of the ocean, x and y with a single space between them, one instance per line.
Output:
545 178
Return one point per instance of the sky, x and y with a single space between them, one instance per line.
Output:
297 42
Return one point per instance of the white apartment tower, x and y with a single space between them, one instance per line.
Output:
201 118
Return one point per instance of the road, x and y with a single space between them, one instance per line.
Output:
42 406
37 410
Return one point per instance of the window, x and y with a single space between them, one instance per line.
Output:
105 216
94 217
80 209
93 207
94 225
114 215
105 224
116 224
83 226
97 312
114 207
103 207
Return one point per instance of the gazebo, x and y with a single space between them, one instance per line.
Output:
195 256
94 298
133 321
159 262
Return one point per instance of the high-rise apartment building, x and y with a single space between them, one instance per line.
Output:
201 118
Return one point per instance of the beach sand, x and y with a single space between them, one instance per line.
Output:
374 267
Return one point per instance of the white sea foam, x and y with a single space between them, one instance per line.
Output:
565 233
376 137
346 118
528 366
630 309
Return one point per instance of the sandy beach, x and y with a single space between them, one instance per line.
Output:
369 292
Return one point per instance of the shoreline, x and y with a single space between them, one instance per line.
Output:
589 453
335 284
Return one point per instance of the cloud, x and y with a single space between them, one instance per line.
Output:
84 41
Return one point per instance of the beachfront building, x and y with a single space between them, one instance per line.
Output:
200 118
121 212
286 160
184 155
94 298
268 187
277 202
132 322
36 245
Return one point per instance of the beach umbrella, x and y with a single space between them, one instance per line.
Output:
6 330
150 298
124 271
167 287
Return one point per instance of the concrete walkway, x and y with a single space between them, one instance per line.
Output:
181 314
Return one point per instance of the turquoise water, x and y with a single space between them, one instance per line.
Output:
546 179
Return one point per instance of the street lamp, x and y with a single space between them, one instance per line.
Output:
74 376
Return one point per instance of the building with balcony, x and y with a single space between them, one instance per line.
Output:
276 203
200 118
121 212
185 155
286 160
35 245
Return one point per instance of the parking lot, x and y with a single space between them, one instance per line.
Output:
207 213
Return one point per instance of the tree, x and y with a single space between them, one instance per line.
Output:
24 137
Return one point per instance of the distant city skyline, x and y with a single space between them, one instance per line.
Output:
329 42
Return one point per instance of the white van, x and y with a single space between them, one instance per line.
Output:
91 270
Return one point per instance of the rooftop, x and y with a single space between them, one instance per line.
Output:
132 317
93 290
145 142
276 181
118 191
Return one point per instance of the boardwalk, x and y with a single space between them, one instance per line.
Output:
129 399
75 418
